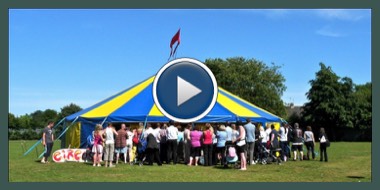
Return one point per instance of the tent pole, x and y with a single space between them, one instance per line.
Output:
104 120
39 141
64 131
145 122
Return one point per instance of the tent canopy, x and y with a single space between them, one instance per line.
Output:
136 104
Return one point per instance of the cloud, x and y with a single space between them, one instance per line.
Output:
341 14
329 32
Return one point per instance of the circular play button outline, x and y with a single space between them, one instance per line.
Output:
205 68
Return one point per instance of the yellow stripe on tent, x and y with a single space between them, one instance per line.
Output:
234 107
225 91
114 104
155 111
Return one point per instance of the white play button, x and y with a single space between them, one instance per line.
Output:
185 91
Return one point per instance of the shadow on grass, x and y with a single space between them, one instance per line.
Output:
356 177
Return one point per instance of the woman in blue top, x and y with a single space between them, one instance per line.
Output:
221 136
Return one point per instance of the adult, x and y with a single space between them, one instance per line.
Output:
268 130
195 140
309 142
263 140
297 143
221 136
241 147
180 143
163 144
153 138
235 132
273 138
97 148
129 144
172 135
121 143
207 145
284 142
323 144
47 141
250 132
109 149
187 142
257 144
290 139
229 134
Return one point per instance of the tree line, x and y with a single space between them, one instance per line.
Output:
29 126
336 103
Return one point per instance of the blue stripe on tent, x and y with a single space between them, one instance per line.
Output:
86 129
73 116
218 112
261 113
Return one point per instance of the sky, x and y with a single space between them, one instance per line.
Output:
82 56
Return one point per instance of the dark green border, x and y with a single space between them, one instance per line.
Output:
147 4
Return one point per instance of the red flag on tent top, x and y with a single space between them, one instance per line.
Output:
176 38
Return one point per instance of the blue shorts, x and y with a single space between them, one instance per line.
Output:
121 150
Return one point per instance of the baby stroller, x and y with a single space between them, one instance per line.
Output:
230 155
88 156
269 155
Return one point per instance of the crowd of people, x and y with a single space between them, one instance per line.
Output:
206 144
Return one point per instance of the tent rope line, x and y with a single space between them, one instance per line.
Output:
39 141
63 132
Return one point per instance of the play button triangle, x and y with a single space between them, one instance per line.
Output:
185 91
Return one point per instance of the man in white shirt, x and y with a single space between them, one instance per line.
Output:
172 136
229 134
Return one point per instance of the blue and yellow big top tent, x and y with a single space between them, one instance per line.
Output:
136 104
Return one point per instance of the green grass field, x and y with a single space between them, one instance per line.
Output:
348 162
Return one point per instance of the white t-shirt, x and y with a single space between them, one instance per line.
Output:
283 134
172 133
264 137
308 136
268 131
129 140
109 136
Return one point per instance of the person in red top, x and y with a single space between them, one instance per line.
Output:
207 145
97 149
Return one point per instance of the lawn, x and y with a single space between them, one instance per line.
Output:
348 162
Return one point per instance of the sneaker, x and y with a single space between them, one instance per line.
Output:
99 165
43 161
94 165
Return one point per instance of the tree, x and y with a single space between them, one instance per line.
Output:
336 102
69 109
12 121
25 121
251 80
38 119
363 110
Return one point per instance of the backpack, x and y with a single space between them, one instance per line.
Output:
90 140
141 146
152 143
231 152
